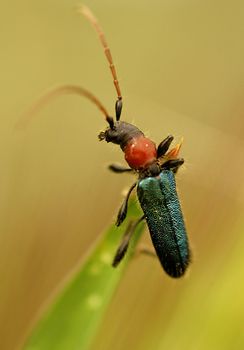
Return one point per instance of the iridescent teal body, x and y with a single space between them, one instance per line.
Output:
161 206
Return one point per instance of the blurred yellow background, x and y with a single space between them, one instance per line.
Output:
181 71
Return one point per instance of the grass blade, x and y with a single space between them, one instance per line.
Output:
73 319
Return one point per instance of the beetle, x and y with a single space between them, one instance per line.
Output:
155 168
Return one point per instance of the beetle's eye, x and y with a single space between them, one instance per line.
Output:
110 122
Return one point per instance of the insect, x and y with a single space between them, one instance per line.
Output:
155 168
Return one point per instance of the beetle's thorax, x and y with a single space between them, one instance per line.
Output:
139 151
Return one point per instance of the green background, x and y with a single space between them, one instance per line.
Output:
180 66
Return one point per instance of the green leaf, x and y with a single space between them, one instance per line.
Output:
73 319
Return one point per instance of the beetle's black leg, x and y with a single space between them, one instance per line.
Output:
173 164
123 209
119 169
164 146
125 241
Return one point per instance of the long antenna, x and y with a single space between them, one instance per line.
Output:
63 90
84 10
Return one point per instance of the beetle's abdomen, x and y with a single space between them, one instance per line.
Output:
140 152
161 206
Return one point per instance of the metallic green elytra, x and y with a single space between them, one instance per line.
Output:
161 206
